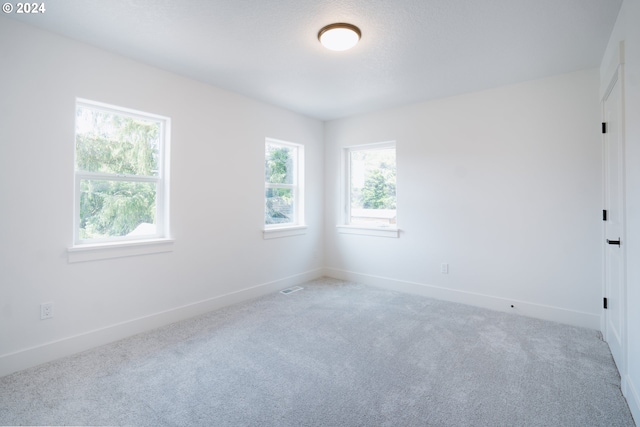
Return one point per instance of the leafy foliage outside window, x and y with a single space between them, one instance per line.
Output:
372 185
118 173
281 183
115 208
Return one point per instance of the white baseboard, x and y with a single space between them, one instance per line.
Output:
47 352
630 392
556 314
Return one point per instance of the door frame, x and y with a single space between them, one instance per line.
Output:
615 74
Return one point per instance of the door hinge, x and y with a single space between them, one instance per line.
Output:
605 303
604 127
604 214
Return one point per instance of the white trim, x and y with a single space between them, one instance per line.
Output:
616 62
163 199
369 231
117 109
372 146
616 74
297 187
275 233
161 180
97 176
630 392
345 186
607 82
67 346
98 251
539 311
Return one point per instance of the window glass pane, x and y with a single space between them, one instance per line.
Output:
279 206
116 208
108 142
372 186
279 164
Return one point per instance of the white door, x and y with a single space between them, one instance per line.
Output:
614 224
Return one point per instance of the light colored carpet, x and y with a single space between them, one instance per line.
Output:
333 354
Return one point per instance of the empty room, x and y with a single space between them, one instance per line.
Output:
320 213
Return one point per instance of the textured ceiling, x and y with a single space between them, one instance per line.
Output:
411 50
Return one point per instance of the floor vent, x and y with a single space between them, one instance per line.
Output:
291 290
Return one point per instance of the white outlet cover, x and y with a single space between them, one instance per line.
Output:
444 268
46 310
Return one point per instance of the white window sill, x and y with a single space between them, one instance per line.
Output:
277 232
98 251
369 231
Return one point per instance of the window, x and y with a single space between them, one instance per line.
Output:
121 174
284 189
370 187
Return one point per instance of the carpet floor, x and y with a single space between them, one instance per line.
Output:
333 354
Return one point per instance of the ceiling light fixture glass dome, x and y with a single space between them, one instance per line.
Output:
339 36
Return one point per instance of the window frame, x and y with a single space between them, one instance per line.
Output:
161 181
297 226
346 226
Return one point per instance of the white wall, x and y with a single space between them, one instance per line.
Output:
217 203
504 185
628 30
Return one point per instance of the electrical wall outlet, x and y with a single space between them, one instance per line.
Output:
444 268
46 310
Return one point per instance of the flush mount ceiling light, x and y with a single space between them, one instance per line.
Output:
339 36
